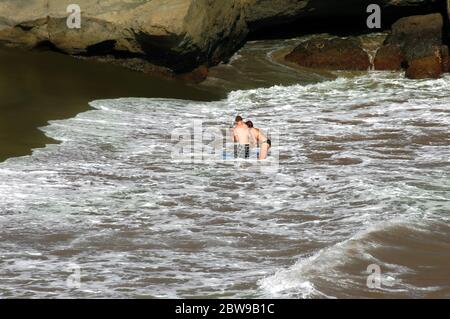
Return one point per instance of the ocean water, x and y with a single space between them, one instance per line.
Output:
36 87
361 180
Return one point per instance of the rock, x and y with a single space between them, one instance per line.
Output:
426 67
196 76
445 55
389 57
418 35
179 34
415 43
331 54
263 13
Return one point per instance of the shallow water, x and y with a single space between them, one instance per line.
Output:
256 65
362 179
39 86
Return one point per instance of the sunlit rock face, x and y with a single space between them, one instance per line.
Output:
180 34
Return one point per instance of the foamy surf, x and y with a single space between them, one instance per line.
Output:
321 275
354 153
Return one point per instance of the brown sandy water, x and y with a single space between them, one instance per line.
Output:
362 180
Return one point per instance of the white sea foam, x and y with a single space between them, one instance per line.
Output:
354 153
327 263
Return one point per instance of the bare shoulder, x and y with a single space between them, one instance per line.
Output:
261 133
256 131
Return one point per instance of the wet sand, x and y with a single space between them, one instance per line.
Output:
36 87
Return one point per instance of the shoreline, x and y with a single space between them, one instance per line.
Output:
78 81
37 87
114 186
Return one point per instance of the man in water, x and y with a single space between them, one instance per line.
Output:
258 137
241 135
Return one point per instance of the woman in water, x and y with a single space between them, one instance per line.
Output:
259 138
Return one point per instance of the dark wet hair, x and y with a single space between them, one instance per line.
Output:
238 119
249 124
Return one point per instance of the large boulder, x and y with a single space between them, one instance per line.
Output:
445 54
415 43
331 54
389 57
425 67
179 34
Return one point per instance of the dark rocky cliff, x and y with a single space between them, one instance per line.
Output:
181 35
